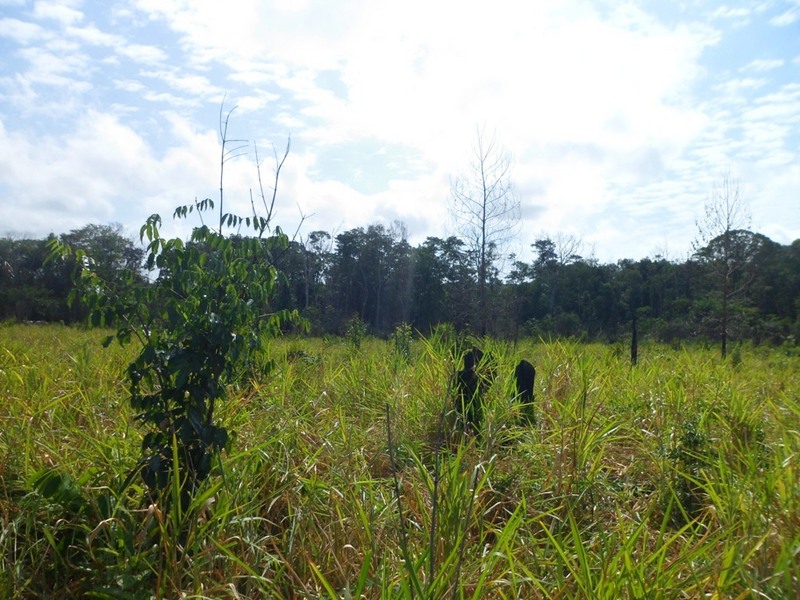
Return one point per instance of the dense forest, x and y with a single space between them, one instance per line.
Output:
373 276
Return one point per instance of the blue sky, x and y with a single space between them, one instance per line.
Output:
621 116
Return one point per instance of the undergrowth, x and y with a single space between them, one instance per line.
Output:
674 478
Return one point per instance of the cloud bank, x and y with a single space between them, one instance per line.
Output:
620 117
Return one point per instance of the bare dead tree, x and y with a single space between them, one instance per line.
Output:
568 248
485 209
726 214
269 206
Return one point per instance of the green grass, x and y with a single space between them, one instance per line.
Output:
677 478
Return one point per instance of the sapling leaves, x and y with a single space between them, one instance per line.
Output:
200 322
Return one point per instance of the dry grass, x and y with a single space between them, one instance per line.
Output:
677 478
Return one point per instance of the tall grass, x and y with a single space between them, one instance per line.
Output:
675 478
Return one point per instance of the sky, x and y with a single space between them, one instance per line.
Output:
620 117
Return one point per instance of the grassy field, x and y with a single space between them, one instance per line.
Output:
677 478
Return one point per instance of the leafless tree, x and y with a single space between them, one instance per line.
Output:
269 206
485 209
722 246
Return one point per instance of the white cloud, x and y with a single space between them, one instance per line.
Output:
142 53
619 121
727 12
210 30
59 69
62 11
777 195
101 170
789 17
169 100
195 85
551 80
257 102
92 35
736 88
425 82
23 32
761 65
290 6
129 85
18 91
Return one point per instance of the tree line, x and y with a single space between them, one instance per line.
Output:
373 275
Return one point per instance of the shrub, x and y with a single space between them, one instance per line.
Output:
198 324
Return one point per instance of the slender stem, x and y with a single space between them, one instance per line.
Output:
403 532
462 543
435 492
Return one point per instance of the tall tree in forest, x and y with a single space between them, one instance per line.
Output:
30 288
370 276
485 209
552 256
441 283
114 254
719 245
316 256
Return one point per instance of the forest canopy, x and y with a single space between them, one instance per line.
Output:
374 275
